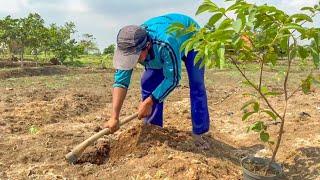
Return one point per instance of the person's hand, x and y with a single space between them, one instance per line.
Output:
145 108
112 124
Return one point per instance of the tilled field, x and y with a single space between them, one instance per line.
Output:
44 115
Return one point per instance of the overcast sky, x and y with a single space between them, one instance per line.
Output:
103 18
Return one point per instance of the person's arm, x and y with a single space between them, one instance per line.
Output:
119 92
172 74
118 96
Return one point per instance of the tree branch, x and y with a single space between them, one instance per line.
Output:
295 91
256 88
285 89
261 71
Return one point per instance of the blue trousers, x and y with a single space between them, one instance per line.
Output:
199 109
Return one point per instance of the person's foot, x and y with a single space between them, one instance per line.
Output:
200 142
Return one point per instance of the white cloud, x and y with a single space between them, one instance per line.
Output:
12 6
74 6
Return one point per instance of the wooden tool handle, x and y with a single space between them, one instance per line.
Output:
77 151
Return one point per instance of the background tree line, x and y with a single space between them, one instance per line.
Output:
31 36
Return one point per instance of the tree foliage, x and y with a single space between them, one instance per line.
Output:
30 33
109 50
88 45
245 32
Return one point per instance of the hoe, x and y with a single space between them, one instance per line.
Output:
73 156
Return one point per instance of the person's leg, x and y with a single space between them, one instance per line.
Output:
198 96
150 80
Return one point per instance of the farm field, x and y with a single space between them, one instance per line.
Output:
65 68
46 111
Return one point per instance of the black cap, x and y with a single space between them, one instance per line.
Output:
131 40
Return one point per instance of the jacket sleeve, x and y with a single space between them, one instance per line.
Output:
171 71
122 78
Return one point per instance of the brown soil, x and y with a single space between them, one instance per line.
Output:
261 168
26 63
97 154
43 117
45 71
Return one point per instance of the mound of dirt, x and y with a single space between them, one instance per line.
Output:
136 141
139 139
97 154
157 150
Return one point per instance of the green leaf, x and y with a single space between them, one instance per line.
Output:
235 6
225 24
221 34
202 9
284 42
222 10
271 114
250 24
301 17
189 46
248 103
272 94
247 115
221 58
208 62
202 64
271 57
237 25
311 9
303 52
33 130
206 50
199 55
178 25
316 57
241 16
214 19
264 136
293 26
264 89
184 45
256 107
207 6
175 28
235 40
306 84
258 126
249 94
252 16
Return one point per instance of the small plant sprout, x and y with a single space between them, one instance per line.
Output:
33 130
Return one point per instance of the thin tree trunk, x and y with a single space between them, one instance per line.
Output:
21 59
37 59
